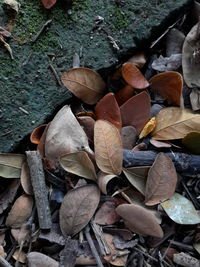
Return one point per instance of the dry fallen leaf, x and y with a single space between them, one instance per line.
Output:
108 147
138 59
64 135
124 94
103 180
167 63
19 255
48 3
87 123
106 214
136 111
10 165
85 84
12 4
191 58
77 208
78 163
107 109
148 128
37 134
129 135
161 180
36 259
139 220
26 179
195 99
169 85
133 76
20 211
175 123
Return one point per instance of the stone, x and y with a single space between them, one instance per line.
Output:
103 32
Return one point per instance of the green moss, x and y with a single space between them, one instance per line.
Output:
120 18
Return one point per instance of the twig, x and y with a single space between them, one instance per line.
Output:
7 46
27 60
145 254
44 26
55 74
4 262
69 253
39 189
92 247
111 39
24 110
181 245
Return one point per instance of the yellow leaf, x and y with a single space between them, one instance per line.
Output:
148 128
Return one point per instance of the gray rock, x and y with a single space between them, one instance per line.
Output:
27 83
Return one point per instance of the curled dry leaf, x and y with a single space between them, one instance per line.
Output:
136 111
117 257
108 147
139 220
77 209
37 134
174 42
87 123
103 180
191 58
26 179
138 59
148 128
192 142
106 214
169 85
133 76
161 180
107 109
175 123
167 63
80 164
41 145
137 176
181 210
64 135
40 260
12 5
20 212
10 165
85 84
124 94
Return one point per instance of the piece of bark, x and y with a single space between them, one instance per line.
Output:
69 253
39 188
185 164
185 260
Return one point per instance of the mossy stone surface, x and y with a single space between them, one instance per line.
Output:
27 81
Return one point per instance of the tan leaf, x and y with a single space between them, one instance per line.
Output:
80 164
26 179
77 209
10 165
148 128
191 58
116 257
139 220
64 135
36 259
20 212
19 255
137 176
161 180
106 214
175 123
108 147
103 180
85 84
195 99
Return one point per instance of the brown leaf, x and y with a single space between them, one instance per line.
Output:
161 180
107 214
129 135
85 84
139 220
26 179
116 257
87 123
169 85
107 109
124 94
36 259
37 134
20 212
175 123
48 3
192 142
133 76
191 58
108 147
77 209
64 135
103 180
136 111
80 164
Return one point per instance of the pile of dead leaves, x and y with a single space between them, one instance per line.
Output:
121 170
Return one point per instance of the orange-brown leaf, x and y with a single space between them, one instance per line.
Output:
136 111
169 85
108 147
108 109
124 94
37 134
133 76
139 220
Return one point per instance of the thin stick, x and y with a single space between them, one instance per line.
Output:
55 74
39 189
4 262
145 254
44 26
92 247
